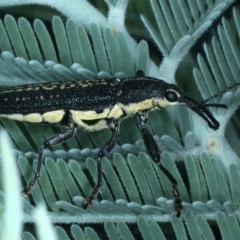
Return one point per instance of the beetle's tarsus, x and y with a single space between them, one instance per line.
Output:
26 191
86 203
177 201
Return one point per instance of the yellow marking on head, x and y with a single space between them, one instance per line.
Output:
53 116
133 108
162 102
33 117
116 112
90 115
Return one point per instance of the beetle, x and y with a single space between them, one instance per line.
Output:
92 105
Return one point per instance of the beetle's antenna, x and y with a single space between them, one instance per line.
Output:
219 105
218 94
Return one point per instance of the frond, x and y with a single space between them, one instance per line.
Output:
219 69
131 193
135 199
184 18
179 27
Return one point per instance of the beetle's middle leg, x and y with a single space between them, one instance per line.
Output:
102 153
153 151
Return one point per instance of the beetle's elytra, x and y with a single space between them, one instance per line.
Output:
93 105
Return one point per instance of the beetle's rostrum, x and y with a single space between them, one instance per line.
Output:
202 111
93 105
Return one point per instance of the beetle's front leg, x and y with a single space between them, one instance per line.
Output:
102 153
153 151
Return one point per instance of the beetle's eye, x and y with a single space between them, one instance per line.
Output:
171 96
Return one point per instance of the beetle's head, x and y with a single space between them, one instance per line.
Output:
172 95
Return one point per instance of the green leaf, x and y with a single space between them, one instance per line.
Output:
136 197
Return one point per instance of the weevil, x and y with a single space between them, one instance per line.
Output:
92 105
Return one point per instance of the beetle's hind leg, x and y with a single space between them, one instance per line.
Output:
53 141
153 151
102 153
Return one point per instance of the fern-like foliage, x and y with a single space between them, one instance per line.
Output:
135 199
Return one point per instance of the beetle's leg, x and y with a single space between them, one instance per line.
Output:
53 141
140 73
153 151
102 153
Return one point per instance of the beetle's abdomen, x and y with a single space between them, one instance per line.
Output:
81 95
50 102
